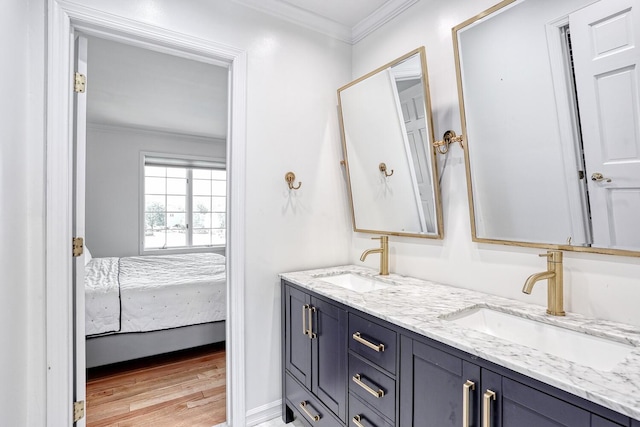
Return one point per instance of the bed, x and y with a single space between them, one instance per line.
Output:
145 305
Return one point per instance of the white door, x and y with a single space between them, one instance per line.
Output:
79 139
413 111
605 40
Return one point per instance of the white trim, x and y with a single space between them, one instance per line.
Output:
301 17
329 27
64 18
378 18
264 413
576 191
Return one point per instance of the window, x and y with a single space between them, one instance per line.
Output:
184 204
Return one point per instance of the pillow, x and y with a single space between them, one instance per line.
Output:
87 256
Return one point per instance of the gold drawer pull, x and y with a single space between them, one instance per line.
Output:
486 407
312 310
356 420
377 347
303 406
467 388
377 394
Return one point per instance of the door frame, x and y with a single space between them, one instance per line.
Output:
64 19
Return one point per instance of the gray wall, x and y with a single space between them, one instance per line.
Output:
113 182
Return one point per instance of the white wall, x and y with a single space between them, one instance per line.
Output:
597 285
113 182
293 74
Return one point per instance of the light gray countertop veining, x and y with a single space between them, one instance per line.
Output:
418 305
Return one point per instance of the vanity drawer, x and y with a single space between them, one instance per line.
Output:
363 414
307 406
373 342
372 386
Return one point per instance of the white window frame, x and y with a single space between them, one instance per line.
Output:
141 208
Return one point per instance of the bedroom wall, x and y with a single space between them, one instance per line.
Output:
113 182
596 285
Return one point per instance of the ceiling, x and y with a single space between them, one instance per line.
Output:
346 20
139 88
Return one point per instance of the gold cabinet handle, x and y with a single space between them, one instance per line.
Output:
467 388
315 418
376 393
377 347
312 310
304 319
486 407
357 420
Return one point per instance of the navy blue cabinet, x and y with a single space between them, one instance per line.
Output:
440 389
431 387
315 358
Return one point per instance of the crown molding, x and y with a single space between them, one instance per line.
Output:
327 26
379 17
300 17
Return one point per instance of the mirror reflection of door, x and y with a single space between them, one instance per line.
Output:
604 40
411 96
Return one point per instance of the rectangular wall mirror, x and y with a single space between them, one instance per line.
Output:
550 109
387 137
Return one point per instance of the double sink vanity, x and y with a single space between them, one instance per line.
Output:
362 349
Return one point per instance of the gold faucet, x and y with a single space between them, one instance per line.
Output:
383 250
554 278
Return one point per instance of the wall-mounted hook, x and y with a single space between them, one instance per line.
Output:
290 177
383 169
449 137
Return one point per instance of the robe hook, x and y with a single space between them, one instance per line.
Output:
383 169
290 177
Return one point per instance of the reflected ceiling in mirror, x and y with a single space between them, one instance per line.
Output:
387 137
550 110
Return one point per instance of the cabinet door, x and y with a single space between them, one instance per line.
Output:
330 356
297 343
431 387
523 406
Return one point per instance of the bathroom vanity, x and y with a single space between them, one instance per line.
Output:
366 350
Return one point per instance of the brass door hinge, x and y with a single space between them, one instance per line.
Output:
80 83
78 411
78 246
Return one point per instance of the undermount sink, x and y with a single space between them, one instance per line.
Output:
355 282
596 352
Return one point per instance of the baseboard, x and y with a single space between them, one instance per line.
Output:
264 413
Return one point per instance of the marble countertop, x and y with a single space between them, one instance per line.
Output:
422 306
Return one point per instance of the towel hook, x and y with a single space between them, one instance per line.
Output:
290 177
383 169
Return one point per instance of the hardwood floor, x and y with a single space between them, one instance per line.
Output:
181 389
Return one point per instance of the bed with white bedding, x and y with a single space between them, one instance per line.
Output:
144 305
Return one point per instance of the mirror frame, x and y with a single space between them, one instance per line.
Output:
439 234
463 122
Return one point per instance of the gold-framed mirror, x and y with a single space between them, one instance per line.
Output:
387 136
550 108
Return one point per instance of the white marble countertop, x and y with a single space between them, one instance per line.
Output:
418 305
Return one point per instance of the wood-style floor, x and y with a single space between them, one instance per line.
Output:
181 389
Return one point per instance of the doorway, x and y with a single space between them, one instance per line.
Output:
65 20
154 237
